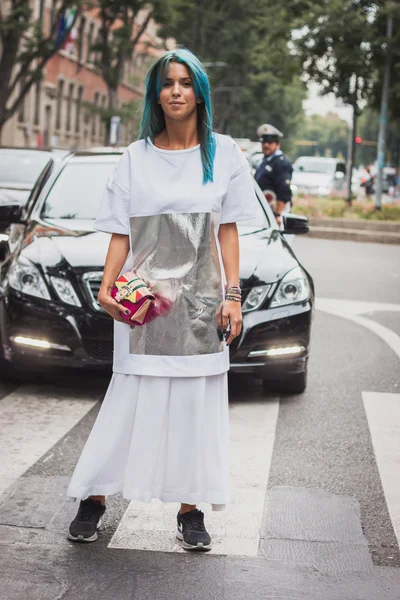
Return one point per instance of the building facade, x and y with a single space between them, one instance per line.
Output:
56 112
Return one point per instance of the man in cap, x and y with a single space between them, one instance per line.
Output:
275 172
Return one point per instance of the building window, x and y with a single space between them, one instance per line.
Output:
103 123
21 110
69 106
53 13
41 11
60 91
97 54
94 117
36 118
90 42
78 109
81 38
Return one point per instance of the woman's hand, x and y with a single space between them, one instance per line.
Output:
230 312
109 304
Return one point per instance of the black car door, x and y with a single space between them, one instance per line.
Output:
15 231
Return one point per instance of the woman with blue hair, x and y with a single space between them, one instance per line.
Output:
171 207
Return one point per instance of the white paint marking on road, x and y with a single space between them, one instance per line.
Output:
350 309
383 414
32 420
236 530
353 307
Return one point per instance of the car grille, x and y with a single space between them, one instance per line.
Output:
92 282
99 349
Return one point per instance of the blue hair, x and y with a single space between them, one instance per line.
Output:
153 120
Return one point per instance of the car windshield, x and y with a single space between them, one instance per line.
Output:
21 167
77 192
260 219
315 166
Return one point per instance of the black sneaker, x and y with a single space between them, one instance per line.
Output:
84 527
192 532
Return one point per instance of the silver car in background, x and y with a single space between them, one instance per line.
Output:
319 176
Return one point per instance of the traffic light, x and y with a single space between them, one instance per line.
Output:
358 140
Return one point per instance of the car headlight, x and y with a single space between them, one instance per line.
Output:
26 278
293 288
65 291
255 297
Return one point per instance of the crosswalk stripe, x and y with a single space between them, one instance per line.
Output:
236 530
383 414
32 420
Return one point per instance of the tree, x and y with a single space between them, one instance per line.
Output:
25 49
342 48
329 132
368 129
254 76
119 36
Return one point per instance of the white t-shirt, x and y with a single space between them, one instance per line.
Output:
157 198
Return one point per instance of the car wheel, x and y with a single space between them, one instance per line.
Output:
290 384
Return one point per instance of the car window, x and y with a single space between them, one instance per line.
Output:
314 166
77 191
21 166
41 180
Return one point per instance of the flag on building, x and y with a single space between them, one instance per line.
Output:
66 21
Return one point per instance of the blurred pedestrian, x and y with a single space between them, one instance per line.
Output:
171 206
369 182
275 171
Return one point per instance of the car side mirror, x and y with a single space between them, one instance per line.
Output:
11 213
294 224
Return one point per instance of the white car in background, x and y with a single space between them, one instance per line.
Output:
319 176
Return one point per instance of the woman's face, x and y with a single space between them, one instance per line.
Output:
177 97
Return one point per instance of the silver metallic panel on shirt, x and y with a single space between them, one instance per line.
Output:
177 255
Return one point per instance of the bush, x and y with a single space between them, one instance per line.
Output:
336 208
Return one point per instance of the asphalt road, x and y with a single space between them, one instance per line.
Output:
315 484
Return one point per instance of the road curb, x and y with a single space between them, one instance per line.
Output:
361 224
354 235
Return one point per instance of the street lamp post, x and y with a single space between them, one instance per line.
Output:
384 110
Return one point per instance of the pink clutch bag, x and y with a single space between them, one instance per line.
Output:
141 305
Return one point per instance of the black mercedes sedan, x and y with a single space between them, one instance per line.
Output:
49 314
20 170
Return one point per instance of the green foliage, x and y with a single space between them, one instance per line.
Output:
330 132
337 208
259 82
25 50
368 131
342 45
334 44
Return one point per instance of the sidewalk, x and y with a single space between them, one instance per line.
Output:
381 232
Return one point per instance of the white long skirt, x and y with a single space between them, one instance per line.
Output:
159 437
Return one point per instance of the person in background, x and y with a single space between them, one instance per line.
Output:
369 182
275 171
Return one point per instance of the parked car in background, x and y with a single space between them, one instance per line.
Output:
49 314
319 176
20 168
243 143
